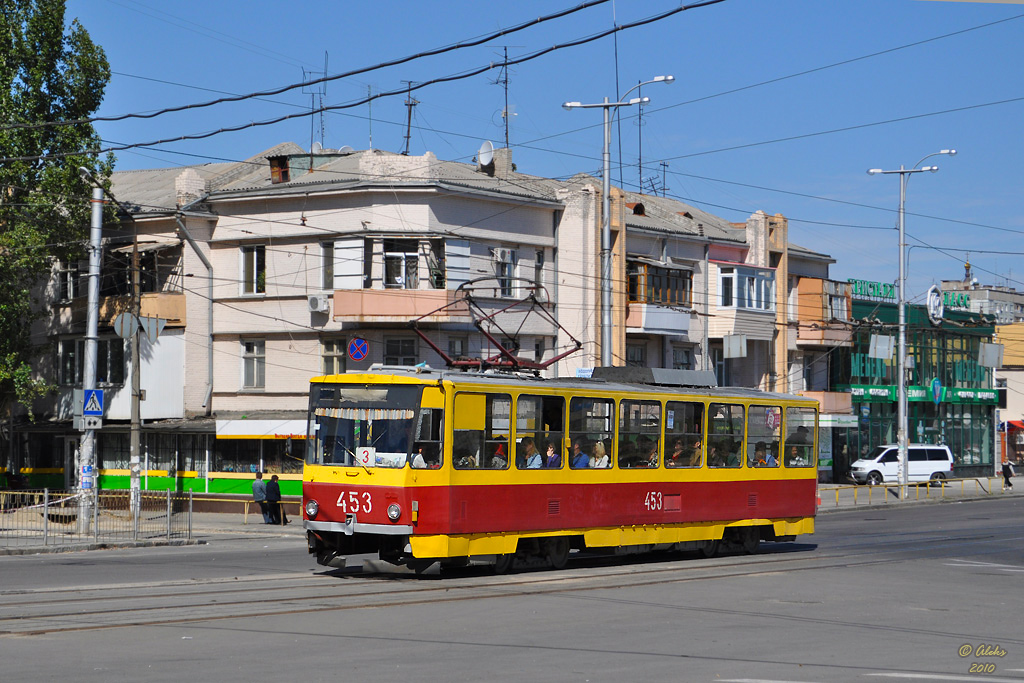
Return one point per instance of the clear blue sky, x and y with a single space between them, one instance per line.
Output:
736 137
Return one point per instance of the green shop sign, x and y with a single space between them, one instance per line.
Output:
865 289
887 393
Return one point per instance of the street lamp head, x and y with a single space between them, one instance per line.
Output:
873 171
950 152
664 79
933 169
570 105
639 100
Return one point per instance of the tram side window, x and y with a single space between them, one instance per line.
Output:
481 430
801 426
725 435
684 434
764 436
592 427
639 433
540 432
426 449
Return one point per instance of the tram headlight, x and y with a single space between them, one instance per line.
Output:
312 507
394 512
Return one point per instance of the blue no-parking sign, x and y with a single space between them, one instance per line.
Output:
358 349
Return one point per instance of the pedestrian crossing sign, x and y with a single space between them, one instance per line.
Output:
92 404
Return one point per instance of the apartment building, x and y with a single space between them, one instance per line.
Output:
293 264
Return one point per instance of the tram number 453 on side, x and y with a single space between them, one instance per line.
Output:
653 500
353 501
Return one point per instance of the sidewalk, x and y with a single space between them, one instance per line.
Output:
837 497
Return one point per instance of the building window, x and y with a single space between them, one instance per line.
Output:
682 358
538 269
538 349
721 367
401 264
657 285
327 265
636 355
505 271
109 361
71 281
458 347
254 270
750 288
400 351
254 364
333 356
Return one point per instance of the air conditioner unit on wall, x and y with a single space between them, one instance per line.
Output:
318 303
502 255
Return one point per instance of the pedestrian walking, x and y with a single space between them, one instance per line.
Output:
277 513
1007 475
259 494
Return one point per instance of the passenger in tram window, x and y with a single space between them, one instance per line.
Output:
553 460
652 455
499 460
760 456
678 455
599 460
531 457
580 459
418 461
695 454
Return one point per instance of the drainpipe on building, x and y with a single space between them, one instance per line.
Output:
707 312
207 401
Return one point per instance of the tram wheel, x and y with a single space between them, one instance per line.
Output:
503 563
558 552
710 548
751 540
420 566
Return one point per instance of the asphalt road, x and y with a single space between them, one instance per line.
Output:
900 593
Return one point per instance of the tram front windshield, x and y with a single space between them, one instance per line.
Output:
362 426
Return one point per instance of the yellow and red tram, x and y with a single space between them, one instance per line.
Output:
419 465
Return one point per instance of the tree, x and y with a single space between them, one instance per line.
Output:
49 72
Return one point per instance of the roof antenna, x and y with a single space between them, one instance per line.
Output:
315 90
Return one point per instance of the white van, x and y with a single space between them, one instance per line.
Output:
926 461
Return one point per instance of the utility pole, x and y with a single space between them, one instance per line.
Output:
136 427
87 451
410 103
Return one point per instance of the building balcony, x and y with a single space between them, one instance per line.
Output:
169 306
398 305
823 334
655 319
835 402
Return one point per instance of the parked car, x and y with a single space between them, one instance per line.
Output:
926 462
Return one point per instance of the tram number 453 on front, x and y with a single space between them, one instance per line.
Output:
653 501
353 501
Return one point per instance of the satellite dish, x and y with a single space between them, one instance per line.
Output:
486 154
346 150
317 148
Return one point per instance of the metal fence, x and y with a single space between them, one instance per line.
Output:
879 494
50 517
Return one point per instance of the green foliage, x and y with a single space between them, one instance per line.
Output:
49 71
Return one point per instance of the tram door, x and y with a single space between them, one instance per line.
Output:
71 453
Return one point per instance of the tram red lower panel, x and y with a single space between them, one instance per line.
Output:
496 508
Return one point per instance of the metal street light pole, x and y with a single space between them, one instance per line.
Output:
606 226
902 427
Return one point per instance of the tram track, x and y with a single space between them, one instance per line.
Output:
22 613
